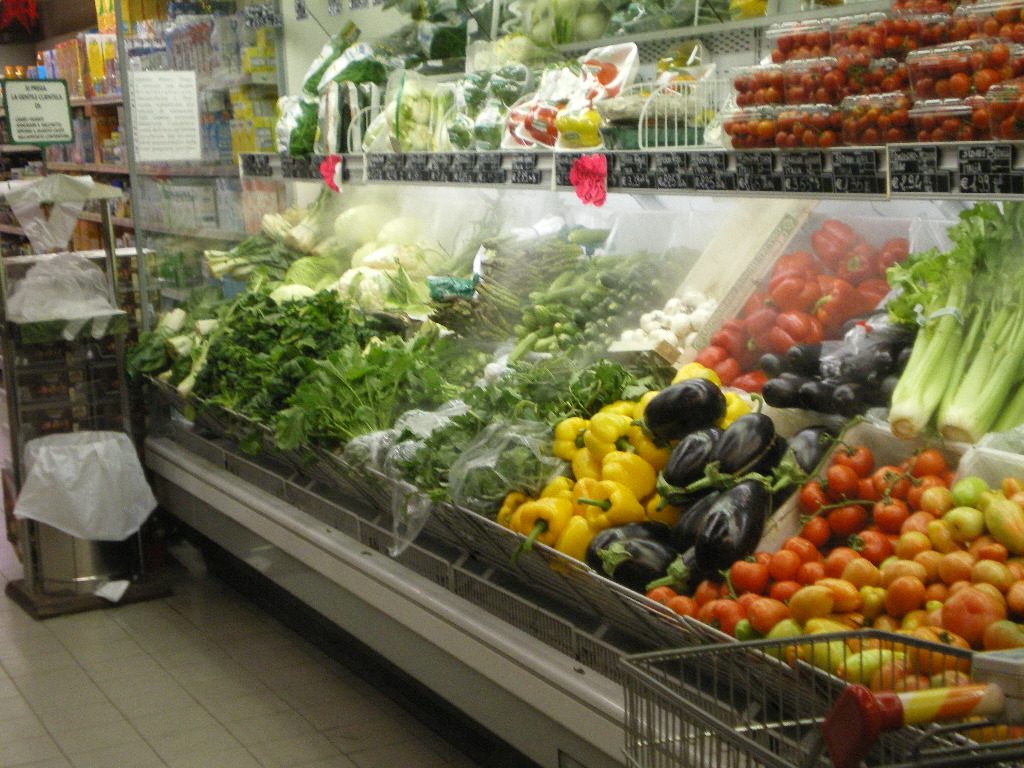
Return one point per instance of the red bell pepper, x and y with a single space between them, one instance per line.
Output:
873 290
757 300
859 263
540 125
801 327
794 290
750 382
892 251
832 240
711 356
732 337
840 304
797 261
759 321
727 370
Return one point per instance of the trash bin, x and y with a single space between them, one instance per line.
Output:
81 506
68 565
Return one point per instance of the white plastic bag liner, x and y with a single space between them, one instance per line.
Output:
86 484
62 287
67 194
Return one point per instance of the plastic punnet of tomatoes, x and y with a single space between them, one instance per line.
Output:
873 75
956 70
963 24
950 120
752 127
813 81
810 125
759 85
876 119
898 35
1006 109
923 6
1003 19
799 40
852 34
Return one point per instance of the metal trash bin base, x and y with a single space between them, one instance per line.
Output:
67 565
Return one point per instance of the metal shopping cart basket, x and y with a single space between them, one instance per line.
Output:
780 703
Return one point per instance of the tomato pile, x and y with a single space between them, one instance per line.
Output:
896 547
757 86
807 298
1006 109
959 69
876 119
799 40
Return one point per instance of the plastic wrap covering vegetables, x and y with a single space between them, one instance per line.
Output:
296 125
651 15
408 116
330 52
438 28
510 270
559 21
481 103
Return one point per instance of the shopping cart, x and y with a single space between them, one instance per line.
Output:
806 701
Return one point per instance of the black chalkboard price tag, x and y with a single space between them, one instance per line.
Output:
755 172
858 171
563 164
257 165
987 169
803 172
709 172
439 168
991 183
305 168
915 170
524 169
629 170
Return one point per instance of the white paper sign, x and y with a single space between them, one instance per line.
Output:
38 111
165 116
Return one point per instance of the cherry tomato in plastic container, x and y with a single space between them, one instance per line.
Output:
752 128
799 40
950 120
817 126
758 86
1005 102
851 35
813 81
876 119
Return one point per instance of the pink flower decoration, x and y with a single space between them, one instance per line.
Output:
589 175
330 170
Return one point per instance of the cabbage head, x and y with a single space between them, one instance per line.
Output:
312 271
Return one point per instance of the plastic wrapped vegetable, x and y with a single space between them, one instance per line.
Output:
489 125
297 124
328 54
461 131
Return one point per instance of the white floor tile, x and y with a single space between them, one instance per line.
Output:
269 727
95 715
247 706
225 758
136 755
155 726
193 742
16 727
333 762
359 737
404 753
74 741
28 750
55 762
295 750
35 660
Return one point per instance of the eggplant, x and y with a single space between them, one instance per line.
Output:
882 397
690 456
635 563
646 529
816 395
804 359
771 365
732 526
745 443
684 532
684 407
783 391
809 446
849 399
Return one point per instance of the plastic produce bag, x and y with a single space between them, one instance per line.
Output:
86 484
506 456
63 287
297 125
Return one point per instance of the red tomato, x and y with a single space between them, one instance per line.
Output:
858 458
812 497
875 546
746 576
929 462
807 551
890 516
842 482
817 531
837 560
847 520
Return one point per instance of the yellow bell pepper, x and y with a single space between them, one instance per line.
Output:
575 538
696 371
568 437
559 488
579 128
606 504
735 406
747 9
647 449
662 513
508 507
542 520
624 407
630 470
641 404
586 465
605 432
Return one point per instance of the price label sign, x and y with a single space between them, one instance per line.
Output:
629 170
858 171
803 172
563 165
988 169
755 172
916 170
256 165
709 172
524 169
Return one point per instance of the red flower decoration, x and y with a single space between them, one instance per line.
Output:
589 175
22 11
330 170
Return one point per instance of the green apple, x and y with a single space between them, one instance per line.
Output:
965 523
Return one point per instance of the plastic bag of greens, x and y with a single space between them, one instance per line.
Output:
360 63
370 450
328 54
404 122
489 126
297 125
507 456
410 511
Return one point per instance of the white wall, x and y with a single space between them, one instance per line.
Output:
17 55
304 39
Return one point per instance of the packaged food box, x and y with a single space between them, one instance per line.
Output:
898 35
854 34
1003 19
751 127
876 119
808 125
874 76
951 120
813 81
759 85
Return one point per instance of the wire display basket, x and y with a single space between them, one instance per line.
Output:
769 704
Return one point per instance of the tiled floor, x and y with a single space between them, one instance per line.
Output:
202 679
